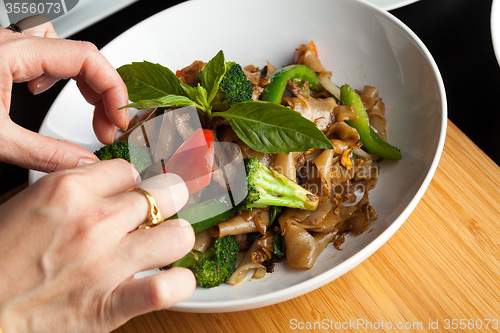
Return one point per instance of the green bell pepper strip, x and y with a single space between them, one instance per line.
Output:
274 90
216 208
187 261
370 139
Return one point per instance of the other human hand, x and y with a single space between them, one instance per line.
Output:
69 249
41 60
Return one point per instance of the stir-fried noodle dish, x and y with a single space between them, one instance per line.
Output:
309 150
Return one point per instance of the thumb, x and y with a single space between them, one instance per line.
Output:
35 151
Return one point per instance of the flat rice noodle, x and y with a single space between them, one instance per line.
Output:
237 225
370 91
324 164
339 146
345 112
255 220
247 268
305 56
270 69
285 164
303 248
261 219
340 130
341 176
266 244
347 212
375 108
360 222
323 219
319 111
291 216
203 240
377 119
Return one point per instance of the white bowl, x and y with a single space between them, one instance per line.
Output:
360 43
391 4
495 27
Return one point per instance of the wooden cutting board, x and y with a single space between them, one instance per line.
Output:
440 272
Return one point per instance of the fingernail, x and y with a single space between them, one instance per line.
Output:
113 134
171 186
183 223
179 190
127 119
44 83
85 161
136 175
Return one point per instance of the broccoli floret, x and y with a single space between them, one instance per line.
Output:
234 88
130 152
267 187
215 265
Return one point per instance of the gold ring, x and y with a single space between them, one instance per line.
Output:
154 217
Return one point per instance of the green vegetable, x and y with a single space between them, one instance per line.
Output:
234 88
212 75
164 101
274 213
273 128
263 126
267 187
153 85
274 90
145 81
215 265
279 246
370 139
217 210
130 152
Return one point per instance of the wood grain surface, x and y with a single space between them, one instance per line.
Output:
442 266
440 272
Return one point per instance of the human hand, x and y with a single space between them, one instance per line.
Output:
69 247
42 62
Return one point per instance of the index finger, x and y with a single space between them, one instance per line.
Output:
29 57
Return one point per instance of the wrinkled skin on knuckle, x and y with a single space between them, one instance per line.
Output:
92 55
55 158
63 189
71 209
88 46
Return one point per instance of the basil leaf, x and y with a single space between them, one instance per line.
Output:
272 128
274 213
190 92
148 81
200 97
212 74
279 248
165 101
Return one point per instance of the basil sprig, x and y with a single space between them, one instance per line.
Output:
265 127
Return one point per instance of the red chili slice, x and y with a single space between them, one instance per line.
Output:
194 160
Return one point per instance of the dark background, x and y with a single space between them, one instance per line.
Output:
456 32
